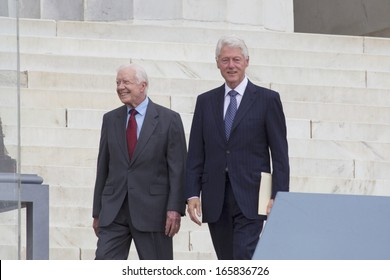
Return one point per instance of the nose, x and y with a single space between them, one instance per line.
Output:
231 63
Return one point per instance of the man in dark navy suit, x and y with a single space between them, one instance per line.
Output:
238 130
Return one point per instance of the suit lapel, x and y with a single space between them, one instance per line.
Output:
246 102
217 108
120 130
148 127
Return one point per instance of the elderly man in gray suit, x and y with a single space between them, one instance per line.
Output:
140 174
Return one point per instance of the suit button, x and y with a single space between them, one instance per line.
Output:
228 152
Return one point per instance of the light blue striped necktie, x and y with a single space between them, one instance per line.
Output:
230 113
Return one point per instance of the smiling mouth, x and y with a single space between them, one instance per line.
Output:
231 72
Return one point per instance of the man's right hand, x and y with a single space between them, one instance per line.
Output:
95 225
194 209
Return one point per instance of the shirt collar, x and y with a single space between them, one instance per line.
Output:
141 108
240 88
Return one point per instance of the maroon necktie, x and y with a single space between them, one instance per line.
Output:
131 133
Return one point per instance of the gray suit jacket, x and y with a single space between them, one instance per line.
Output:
153 179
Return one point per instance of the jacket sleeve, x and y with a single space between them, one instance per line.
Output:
176 159
277 139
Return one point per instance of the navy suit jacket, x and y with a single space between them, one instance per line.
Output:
259 130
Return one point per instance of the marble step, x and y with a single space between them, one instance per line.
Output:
68 197
338 149
322 118
82 99
9 232
165 84
78 200
165 80
340 168
185 102
89 254
106 83
50 53
9 78
72 197
300 166
53 137
87 118
40 117
29 27
202 34
362 140
84 237
108 51
82 161
172 31
85 157
55 114
79 210
289 74
333 94
205 33
344 130
67 176
318 112
9 252
68 236
74 253
70 125
80 216
310 184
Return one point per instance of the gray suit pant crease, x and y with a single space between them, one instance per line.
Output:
234 236
114 240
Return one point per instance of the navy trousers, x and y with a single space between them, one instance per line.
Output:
234 236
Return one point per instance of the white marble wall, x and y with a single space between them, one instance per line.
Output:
368 17
272 14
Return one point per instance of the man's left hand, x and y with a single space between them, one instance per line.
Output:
172 225
269 206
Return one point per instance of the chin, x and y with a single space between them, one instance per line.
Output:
233 83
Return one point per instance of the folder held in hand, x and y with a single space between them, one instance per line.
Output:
265 192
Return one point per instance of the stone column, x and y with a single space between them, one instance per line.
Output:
278 15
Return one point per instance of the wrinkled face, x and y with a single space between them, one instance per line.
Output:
232 65
129 91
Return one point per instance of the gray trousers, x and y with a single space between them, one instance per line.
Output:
114 241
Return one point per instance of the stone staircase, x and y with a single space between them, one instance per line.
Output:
335 92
